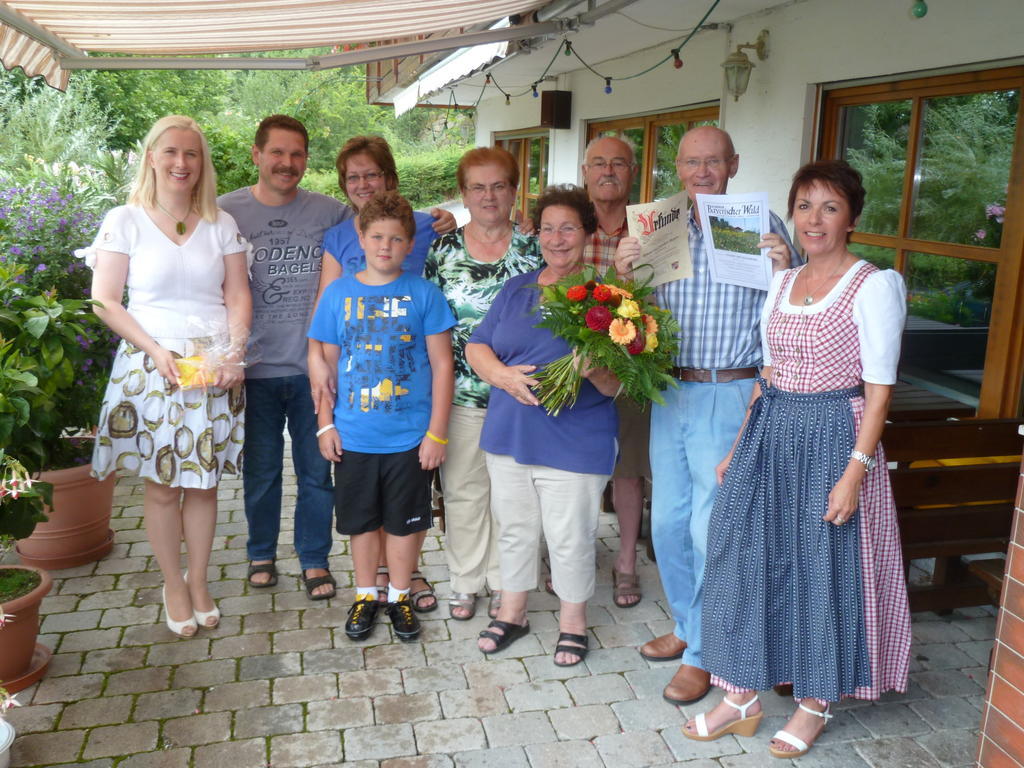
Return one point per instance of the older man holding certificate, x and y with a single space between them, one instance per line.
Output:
718 358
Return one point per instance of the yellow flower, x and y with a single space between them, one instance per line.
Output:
651 343
628 308
622 331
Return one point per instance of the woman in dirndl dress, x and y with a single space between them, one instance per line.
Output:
804 580
185 266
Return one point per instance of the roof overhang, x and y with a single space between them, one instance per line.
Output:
52 37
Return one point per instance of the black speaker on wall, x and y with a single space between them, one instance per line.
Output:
555 109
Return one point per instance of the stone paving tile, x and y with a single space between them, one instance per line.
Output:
563 754
405 708
647 715
379 742
518 730
270 666
451 735
947 683
40 718
372 682
473 702
901 751
300 750
505 673
139 681
302 640
70 622
441 677
632 750
89 640
685 750
68 688
197 729
952 747
603 660
165 758
62 664
599 689
253 693
117 740
165 704
305 688
239 646
112 660
419 761
251 752
942 714
506 757
203 674
91 712
584 722
831 756
339 714
332 660
267 721
47 748
892 720
537 696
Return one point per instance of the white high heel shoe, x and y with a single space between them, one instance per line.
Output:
178 627
202 618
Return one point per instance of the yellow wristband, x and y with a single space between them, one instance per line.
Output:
435 438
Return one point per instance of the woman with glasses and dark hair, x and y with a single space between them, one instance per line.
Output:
547 472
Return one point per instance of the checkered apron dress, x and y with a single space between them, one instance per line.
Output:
787 596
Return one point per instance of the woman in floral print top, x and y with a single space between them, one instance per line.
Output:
470 266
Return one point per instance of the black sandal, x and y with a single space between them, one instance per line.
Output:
580 650
417 596
510 633
312 582
255 568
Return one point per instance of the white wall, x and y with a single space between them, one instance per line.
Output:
811 42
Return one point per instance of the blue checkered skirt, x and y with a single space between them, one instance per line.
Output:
782 588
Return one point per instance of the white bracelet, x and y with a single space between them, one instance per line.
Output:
325 428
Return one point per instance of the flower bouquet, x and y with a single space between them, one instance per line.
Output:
609 324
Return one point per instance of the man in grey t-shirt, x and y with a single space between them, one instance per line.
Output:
285 225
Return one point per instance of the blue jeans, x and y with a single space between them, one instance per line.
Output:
268 404
690 435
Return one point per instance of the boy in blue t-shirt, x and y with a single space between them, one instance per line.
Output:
387 331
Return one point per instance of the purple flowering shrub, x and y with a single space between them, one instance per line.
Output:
40 227
991 234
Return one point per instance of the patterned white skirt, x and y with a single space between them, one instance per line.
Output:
153 429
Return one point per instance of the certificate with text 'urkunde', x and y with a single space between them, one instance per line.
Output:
664 242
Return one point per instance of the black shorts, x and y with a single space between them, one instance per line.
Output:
382 490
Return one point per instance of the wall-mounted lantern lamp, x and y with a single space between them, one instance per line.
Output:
737 66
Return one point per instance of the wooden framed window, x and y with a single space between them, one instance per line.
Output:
656 140
531 151
943 162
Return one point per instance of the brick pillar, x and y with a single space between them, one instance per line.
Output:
1002 724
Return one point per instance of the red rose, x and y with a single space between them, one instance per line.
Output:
598 318
602 293
637 345
576 293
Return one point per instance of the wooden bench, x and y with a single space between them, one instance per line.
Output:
946 511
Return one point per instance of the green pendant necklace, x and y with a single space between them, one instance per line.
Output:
179 224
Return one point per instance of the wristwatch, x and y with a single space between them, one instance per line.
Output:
863 458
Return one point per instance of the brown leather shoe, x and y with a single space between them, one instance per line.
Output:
664 648
688 685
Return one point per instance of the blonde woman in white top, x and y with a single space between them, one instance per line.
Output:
185 267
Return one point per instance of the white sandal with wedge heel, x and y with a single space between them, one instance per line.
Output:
745 726
802 747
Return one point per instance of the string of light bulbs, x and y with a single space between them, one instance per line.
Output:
566 48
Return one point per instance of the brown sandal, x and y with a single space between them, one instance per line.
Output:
625 585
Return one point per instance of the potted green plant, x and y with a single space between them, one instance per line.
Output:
47 325
22 588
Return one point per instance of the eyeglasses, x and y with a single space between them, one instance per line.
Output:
355 178
495 189
618 164
711 163
566 230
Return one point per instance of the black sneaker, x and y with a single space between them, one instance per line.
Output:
360 618
403 620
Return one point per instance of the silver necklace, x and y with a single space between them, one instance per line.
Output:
809 297
179 224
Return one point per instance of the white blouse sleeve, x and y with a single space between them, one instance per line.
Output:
766 311
230 239
118 233
880 311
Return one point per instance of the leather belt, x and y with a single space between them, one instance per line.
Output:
706 376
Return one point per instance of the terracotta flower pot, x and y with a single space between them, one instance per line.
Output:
78 528
22 662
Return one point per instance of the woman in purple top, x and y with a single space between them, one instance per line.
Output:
547 472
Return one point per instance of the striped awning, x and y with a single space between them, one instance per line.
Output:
37 34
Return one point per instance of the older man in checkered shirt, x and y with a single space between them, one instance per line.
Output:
719 356
609 168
